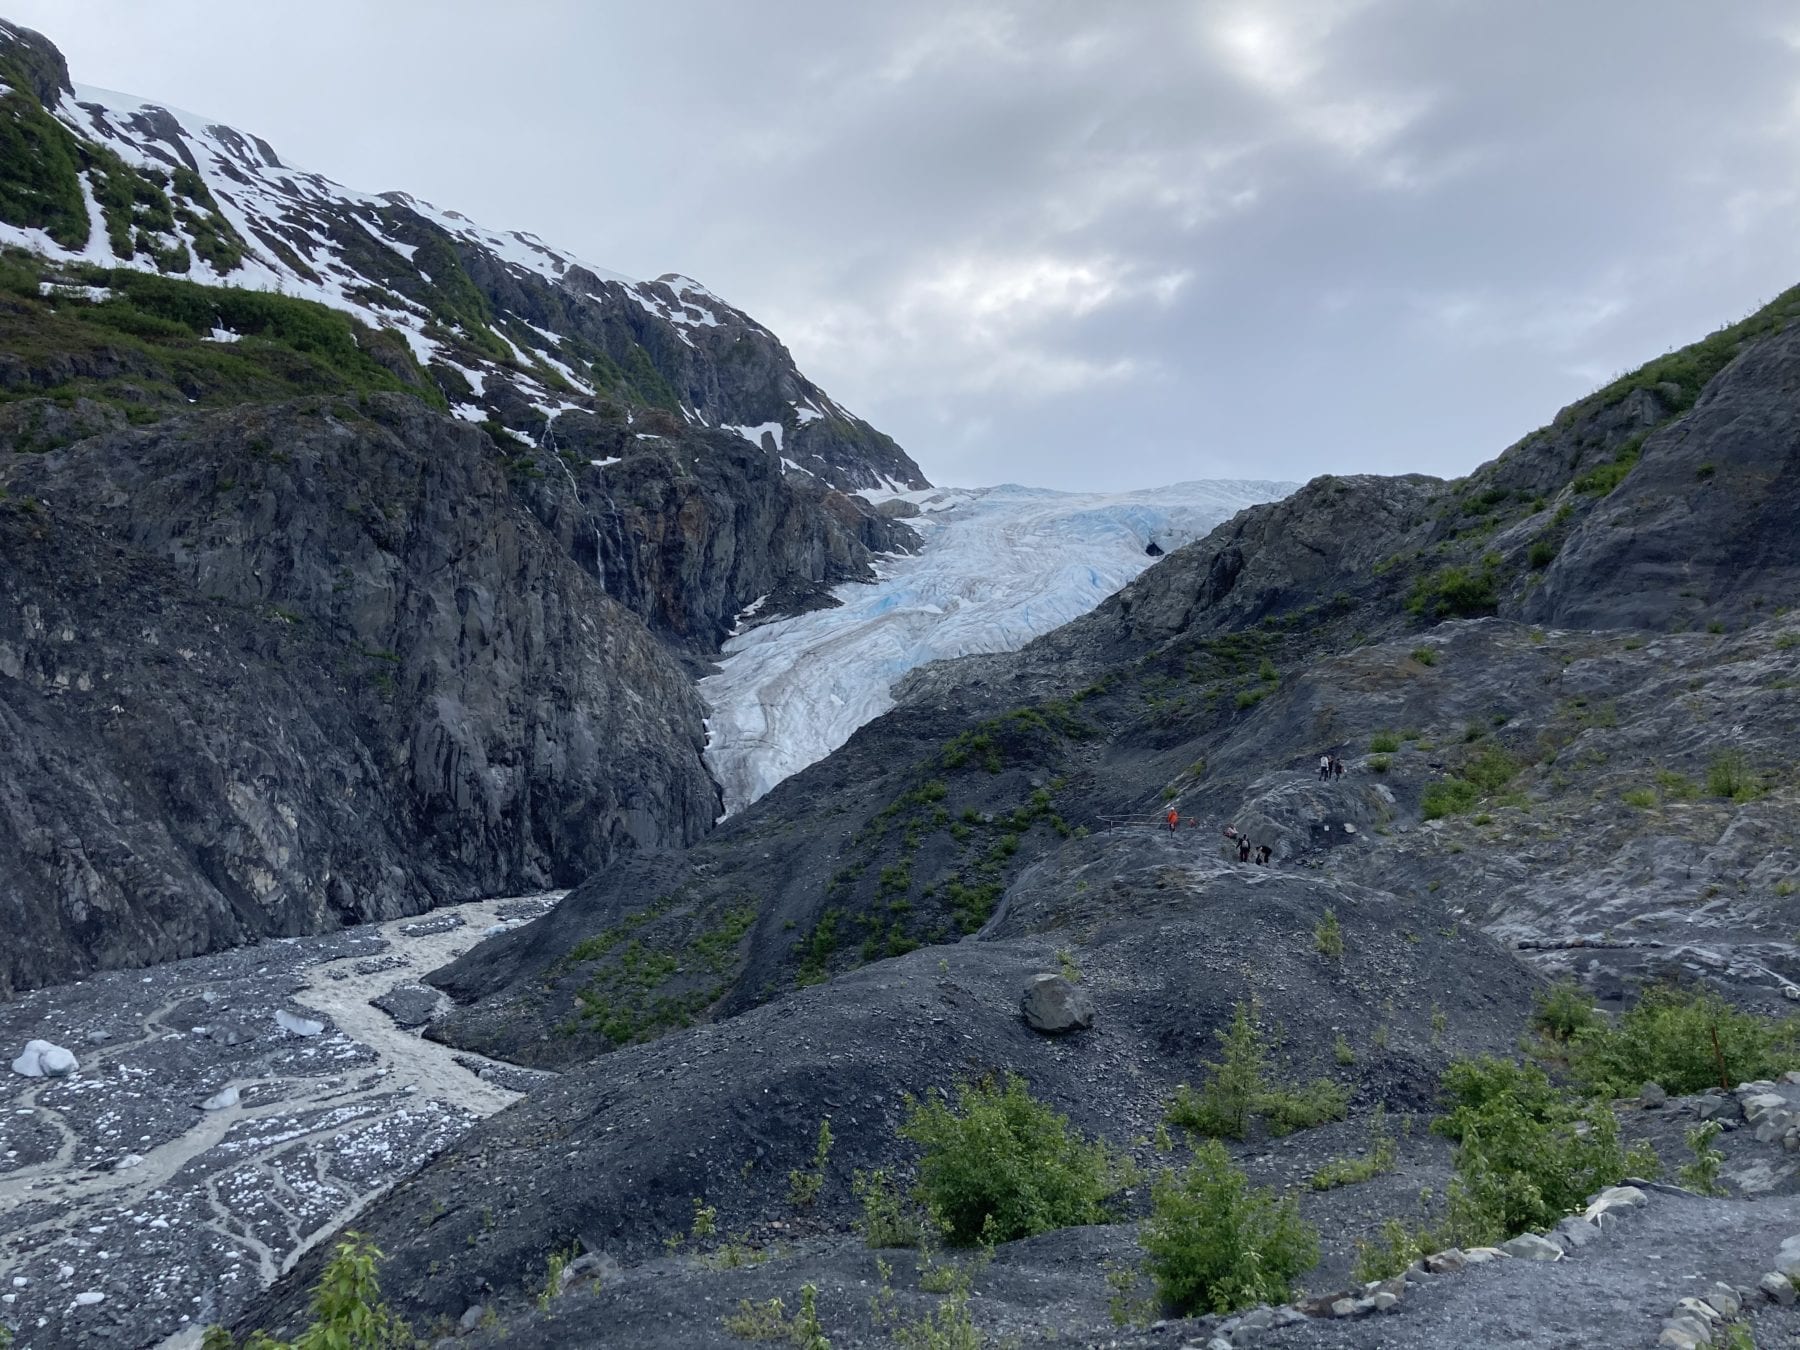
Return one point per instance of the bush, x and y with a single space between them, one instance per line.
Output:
1328 936
347 1309
1644 799
1004 1165
1668 1036
887 1219
1542 553
1563 1010
1702 1174
1447 797
805 1184
1384 743
1455 591
1526 1153
1425 656
1215 1243
1730 776
1380 763
1237 1089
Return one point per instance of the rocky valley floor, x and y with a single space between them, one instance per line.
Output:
228 1111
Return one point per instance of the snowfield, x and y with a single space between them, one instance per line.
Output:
1000 566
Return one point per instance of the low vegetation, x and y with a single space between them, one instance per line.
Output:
1215 1243
1237 1089
347 1310
1000 1165
1684 1040
1350 1171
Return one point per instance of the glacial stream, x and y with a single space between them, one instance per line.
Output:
203 1145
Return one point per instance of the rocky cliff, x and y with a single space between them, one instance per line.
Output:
304 664
454 506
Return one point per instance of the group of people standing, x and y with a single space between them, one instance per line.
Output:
1245 849
1330 766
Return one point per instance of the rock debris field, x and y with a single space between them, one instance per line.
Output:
226 1112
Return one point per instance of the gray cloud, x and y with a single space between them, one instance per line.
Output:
1073 244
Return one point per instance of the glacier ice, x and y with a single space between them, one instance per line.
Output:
1000 566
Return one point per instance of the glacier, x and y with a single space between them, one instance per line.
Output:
999 566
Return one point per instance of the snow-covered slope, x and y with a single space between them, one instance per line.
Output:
1000 566
510 329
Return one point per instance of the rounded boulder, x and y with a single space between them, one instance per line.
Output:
1053 1005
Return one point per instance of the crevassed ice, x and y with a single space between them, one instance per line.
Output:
1000 566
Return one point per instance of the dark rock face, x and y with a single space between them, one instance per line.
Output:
1706 527
685 527
291 666
37 58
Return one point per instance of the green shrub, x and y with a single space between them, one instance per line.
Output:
1526 1153
1447 797
1237 1089
888 1220
1350 1171
1380 763
1384 743
1328 936
1455 591
1599 481
1730 776
1397 1248
1215 1243
804 1184
347 1309
1674 786
1702 1174
1425 656
1542 552
1563 1011
1667 1037
1644 799
1002 1165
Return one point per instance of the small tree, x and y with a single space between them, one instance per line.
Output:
1215 1243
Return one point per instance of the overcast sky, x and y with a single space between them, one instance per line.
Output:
1078 244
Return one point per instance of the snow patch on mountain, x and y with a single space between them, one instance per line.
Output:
1000 566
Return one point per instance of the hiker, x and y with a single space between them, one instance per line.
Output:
1337 767
1324 767
1231 832
1174 819
1263 854
1243 848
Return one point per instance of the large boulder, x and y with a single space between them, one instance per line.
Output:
44 1060
1053 1005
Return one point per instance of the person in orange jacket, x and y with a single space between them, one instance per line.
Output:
1174 819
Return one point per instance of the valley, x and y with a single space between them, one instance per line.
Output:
533 818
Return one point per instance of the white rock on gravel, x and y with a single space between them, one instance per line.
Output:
1532 1247
1725 1300
1694 1307
1614 1197
88 1298
1777 1286
1787 1260
297 1026
44 1060
220 1100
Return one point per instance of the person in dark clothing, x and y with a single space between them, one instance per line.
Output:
1262 855
1243 850
1337 767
